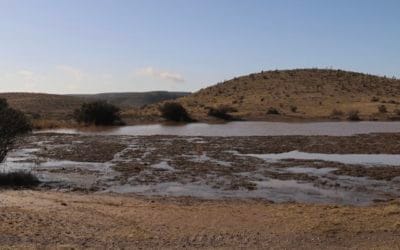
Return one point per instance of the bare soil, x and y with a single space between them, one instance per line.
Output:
49 220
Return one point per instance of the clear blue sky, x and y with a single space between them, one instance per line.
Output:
89 46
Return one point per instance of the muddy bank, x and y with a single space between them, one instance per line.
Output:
213 167
37 220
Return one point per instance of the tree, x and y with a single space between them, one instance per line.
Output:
98 113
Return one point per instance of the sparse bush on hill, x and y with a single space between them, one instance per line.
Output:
336 113
375 99
222 112
353 115
98 113
382 109
273 111
293 109
173 111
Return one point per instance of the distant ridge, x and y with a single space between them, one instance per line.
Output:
135 99
55 107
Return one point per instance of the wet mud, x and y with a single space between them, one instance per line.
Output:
213 167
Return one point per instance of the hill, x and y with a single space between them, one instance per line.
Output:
311 94
134 99
43 105
48 110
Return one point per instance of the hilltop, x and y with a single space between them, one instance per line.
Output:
300 94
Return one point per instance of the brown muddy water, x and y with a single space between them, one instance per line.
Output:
245 129
357 170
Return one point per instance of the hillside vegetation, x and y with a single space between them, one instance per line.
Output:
48 110
311 94
134 99
43 106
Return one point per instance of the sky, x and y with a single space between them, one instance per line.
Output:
93 46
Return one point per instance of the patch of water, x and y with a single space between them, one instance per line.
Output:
312 171
361 159
163 166
203 158
245 129
272 190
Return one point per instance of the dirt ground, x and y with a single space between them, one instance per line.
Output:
48 220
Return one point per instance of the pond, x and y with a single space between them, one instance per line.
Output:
244 129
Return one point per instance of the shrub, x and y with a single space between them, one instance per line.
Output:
98 113
18 179
272 111
222 112
353 115
336 113
3 103
375 99
12 123
293 109
382 109
173 111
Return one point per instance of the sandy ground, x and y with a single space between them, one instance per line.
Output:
37 220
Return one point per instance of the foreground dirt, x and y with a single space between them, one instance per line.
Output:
32 219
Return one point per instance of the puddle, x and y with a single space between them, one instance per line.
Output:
163 166
244 129
272 190
313 171
203 158
361 159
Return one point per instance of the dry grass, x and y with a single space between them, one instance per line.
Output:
314 92
43 106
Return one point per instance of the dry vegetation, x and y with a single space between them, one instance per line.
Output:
298 94
301 94
45 110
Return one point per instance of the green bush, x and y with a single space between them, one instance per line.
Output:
173 111
98 113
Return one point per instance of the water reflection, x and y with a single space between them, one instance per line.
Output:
243 129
